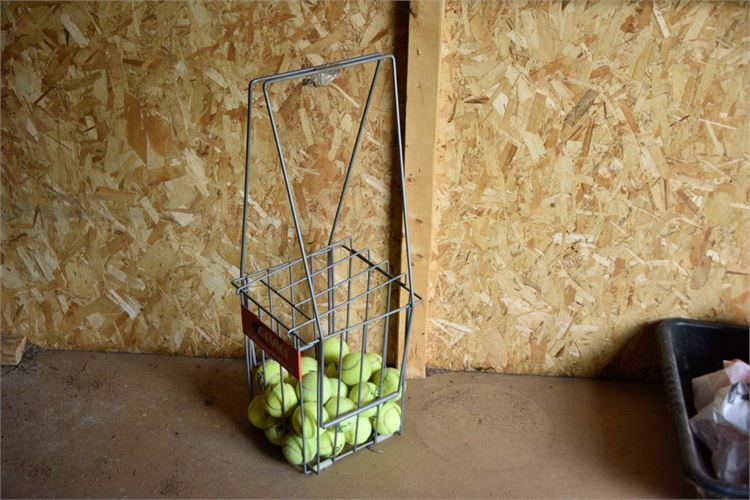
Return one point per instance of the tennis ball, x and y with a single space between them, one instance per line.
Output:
311 419
350 367
388 420
276 433
307 389
257 414
332 371
274 397
333 348
308 365
270 374
374 360
391 377
359 432
327 440
293 449
364 393
345 405
338 388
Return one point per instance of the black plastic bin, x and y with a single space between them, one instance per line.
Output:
689 349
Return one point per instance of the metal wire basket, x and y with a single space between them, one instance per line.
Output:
335 292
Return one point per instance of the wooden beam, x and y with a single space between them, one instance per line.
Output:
12 349
423 75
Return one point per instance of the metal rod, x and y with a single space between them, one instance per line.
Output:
403 185
348 305
291 296
385 354
249 367
401 382
363 348
301 73
249 364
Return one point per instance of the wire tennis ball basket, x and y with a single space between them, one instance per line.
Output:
313 394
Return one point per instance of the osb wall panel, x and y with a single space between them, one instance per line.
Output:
123 153
593 175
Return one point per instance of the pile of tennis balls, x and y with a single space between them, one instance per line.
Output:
356 380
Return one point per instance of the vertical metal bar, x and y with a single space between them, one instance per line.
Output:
401 382
363 348
291 297
365 324
249 363
275 325
348 307
319 381
385 349
343 339
403 183
247 177
331 292
250 360
263 364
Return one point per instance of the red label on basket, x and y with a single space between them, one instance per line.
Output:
274 345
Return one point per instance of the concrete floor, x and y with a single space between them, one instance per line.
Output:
118 425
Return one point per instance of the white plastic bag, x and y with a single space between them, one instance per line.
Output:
721 399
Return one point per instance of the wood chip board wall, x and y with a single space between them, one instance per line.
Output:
123 157
592 175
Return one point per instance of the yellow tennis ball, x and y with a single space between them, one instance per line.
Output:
332 371
307 365
359 432
311 419
293 449
277 433
375 361
270 374
257 414
341 406
307 389
333 348
388 420
391 378
350 369
332 442
338 388
364 393
281 400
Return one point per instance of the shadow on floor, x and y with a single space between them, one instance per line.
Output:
223 387
637 443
